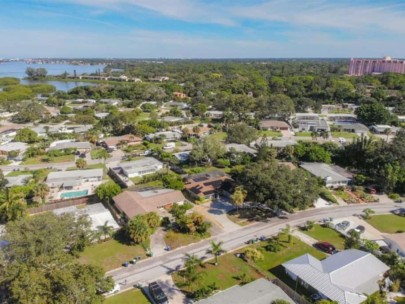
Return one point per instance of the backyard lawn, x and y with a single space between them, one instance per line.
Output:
388 223
44 159
326 234
269 133
219 135
111 254
347 135
134 296
176 239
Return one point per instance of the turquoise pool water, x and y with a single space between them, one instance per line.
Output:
73 194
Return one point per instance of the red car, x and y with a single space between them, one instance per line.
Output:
325 247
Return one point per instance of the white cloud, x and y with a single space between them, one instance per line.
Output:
344 15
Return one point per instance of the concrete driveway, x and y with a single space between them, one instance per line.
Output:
215 212
172 292
157 242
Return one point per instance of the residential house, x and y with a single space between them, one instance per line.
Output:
319 125
141 167
341 117
98 214
111 102
275 125
333 176
215 114
69 179
260 291
241 148
166 135
182 156
357 128
82 147
346 277
396 242
177 104
18 180
209 185
382 129
8 135
159 79
19 147
101 115
113 143
131 202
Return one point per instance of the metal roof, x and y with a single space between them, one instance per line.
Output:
344 277
324 171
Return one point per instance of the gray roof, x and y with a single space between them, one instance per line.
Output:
344 277
170 135
240 148
18 180
71 144
277 143
356 127
141 165
325 172
14 146
260 291
69 176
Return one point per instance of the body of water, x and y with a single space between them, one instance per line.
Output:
61 85
17 70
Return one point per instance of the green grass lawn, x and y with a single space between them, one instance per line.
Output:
219 135
224 275
388 223
110 254
321 233
92 166
43 159
347 135
400 300
303 134
272 260
269 133
134 296
39 174
176 239
143 116
17 173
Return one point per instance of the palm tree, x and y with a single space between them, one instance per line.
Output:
106 230
238 197
367 213
12 206
216 250
287 233
41 191
104 155
192 261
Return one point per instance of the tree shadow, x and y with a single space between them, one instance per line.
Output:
122 237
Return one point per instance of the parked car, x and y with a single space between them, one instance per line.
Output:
157 294
343 225
360 229
399 211
325 247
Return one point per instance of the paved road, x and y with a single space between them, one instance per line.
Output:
153 268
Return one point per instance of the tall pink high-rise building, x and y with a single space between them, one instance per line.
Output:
359 67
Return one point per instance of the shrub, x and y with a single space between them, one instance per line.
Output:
394 196
328 196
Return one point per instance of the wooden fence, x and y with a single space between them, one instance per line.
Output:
291 293
64 203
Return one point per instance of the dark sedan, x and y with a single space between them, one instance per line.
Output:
325 247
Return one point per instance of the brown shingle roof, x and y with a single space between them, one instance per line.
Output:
206 183
132 203
113 141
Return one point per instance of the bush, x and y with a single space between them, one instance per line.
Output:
328 196
394 196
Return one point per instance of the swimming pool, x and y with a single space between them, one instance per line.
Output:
73 194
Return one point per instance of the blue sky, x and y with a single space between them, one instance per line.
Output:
202 28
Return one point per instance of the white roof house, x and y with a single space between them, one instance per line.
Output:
71 145
73 178
240 148
260 291
331 175
345 277
97 213
166 135
141 167
13 146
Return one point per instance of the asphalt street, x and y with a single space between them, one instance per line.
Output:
155 267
